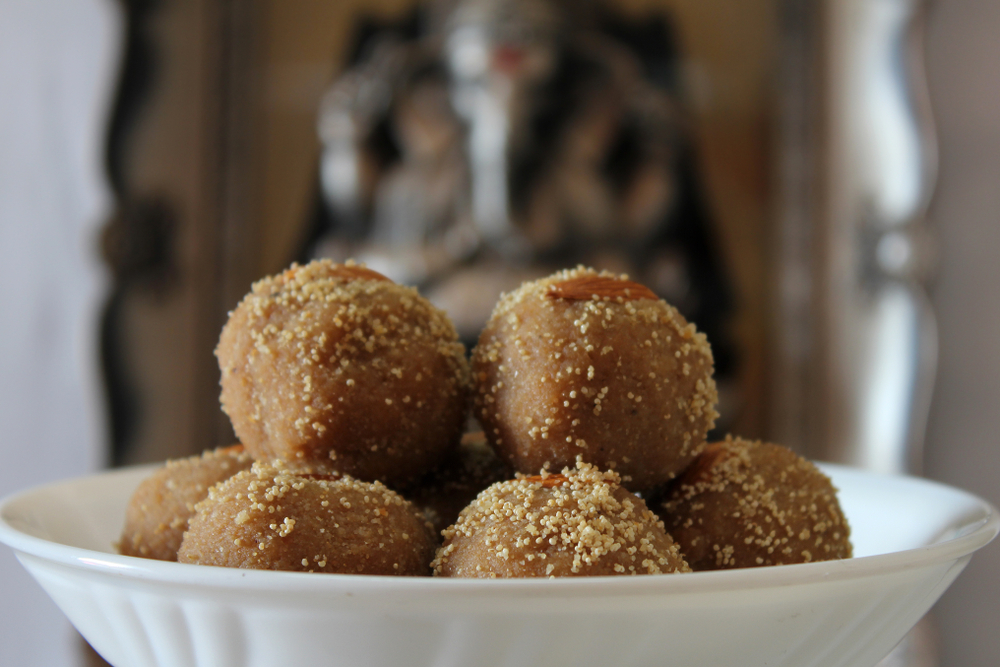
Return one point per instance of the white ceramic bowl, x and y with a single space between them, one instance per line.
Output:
912 538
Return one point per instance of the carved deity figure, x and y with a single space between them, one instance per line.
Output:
485 142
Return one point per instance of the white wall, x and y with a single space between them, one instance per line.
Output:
963 444
57 65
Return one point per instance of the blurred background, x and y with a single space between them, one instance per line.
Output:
813 183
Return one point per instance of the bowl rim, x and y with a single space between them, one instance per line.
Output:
976 527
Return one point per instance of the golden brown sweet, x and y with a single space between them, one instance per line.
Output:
444 493
747 504
336 365
158 512
270 518
591 364
579 523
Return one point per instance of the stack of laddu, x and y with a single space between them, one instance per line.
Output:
350 396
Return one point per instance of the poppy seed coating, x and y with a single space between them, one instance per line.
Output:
273 518
748 504
158 512
579 523
587 364
336 365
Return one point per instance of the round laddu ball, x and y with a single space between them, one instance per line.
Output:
336 365
578 523
748 504
272 518
444 492
591 364
158 512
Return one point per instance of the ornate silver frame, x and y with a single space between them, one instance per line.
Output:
856 337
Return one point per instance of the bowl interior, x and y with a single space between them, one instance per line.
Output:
86 513
887 514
